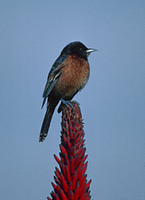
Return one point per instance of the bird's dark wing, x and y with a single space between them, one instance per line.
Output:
53 76
52 79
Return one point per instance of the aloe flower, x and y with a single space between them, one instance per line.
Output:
70 178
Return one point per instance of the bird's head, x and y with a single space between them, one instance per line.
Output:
77 48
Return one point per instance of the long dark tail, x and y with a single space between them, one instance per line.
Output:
47 120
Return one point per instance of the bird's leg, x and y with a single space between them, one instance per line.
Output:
66 103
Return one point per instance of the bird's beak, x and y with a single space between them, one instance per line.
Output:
88 51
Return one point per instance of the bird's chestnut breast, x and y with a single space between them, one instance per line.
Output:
73 77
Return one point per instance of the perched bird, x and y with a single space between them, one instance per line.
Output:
68 75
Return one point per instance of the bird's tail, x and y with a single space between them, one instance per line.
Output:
47 120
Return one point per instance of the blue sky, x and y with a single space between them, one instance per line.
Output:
32 34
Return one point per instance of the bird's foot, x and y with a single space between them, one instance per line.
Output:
66 103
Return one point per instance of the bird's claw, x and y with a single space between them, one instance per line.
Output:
66 103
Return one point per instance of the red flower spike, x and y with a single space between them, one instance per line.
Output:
88 184
62 167
68 175
63 150
71 180
83 160
77 191
63 196
57 159
54 186
57 173
74 180
64 183
72 166
82 181
71 196
57 197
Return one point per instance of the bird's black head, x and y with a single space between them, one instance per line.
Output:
77 48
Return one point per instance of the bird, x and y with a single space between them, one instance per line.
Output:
68 75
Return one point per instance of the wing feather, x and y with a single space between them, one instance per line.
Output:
53 76
52 79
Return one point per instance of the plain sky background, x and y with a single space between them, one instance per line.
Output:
32 35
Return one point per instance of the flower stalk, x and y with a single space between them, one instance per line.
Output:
71 179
